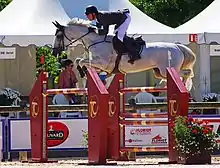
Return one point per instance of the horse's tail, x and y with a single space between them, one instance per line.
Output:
189 59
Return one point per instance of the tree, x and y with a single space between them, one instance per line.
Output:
172 12
4 3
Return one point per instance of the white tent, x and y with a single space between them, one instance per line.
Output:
27 22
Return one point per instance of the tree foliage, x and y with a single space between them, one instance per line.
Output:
172 12
4 3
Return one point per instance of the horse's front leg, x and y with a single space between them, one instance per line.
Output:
81 71
117 61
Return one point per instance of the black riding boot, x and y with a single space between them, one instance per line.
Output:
131 48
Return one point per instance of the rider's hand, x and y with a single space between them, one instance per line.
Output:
91 29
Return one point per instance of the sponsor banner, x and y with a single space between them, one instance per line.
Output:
68 134
155 136
146 136
62 134
214 50
8 53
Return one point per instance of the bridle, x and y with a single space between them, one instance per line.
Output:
70 41
80 38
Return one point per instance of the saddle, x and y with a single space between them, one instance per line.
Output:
133 45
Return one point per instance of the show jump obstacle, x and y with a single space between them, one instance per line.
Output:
106 116
98 114
177 96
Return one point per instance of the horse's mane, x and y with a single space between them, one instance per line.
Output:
79 22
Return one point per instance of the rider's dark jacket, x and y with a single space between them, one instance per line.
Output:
105 19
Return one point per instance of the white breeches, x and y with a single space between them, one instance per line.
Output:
123 28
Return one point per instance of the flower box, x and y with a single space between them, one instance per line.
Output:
195 140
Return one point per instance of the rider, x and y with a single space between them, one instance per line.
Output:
121 20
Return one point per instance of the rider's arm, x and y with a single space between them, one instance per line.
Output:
102 29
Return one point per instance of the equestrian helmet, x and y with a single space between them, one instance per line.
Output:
91 9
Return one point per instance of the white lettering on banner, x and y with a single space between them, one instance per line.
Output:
152 136
8 53
214 50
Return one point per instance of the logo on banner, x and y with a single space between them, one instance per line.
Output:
140 131
112 106
159 140
133 140
57 134
35 107
193 37
93 106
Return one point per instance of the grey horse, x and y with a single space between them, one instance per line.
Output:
157 56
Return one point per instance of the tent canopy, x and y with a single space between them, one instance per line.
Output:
30 21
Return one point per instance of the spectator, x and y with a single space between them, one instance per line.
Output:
67 79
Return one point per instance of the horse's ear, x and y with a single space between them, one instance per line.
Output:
55 24
59 25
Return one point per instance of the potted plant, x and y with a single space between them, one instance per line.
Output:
195 140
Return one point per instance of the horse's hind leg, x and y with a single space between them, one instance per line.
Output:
158 75
117 61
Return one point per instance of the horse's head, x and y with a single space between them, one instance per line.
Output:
77 30
65 35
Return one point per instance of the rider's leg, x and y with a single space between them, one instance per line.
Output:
121 31
132 51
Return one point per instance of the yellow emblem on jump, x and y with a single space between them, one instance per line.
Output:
93 106
111 106
35 107
173 105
